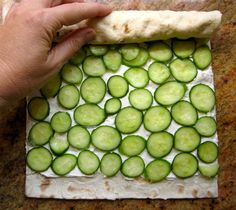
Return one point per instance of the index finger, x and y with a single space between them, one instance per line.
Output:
68 14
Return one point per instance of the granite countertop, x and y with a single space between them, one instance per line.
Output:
12 128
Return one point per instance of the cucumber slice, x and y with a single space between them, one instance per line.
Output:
140 98
51 88
68 96
202 97
71 74
187 139
157 170
132 145
64 164
206 126
94 66
208 170
38 108
158 72
207 152
106 138
183 48
112 60
58 144
183 70
156 119
98 50
110 164
93 89
160 51
202 57
184 113
78 57
112 105
89 115
128 120
140 60
137 77
133 167
117 86
39 159
169 93
184 165
78 137
88 162
159 144
129 51
40 133
61 122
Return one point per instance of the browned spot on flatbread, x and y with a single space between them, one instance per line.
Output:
126 29
114 27
154 194
141 180
194 193
45 184
72 189
209 194
180 189
107 186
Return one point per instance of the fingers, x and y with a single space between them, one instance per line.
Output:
68 47
68 14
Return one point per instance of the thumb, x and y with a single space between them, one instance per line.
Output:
70 45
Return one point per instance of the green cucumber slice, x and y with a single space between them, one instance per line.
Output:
51 88
159 144
89 115
39 159
64 164
206 126
112 105
158 72
169 93
117 86
40 133
58 144
128 120
140 60
202 57
61 122
105 138
140 98
68 96
157 170
112 60
93 89
78 137
71 74
156 119
110 164
160 51
94 66
207 152
184 165
208 170
183 70
137 77
129 51
184 113
187 139
133 167
202 97
78 57
183 48
38 108
98 50
88 162
132 145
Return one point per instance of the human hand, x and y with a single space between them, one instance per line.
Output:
27 58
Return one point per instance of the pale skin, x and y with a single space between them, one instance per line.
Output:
27 58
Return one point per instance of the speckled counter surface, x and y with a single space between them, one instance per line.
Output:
12 129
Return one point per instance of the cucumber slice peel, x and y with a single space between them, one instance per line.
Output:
208 170
71 74
206 126
158 72
160 51
112 60
202 57
140 60
112 105
183 48
117 86
129 51
207 152
61 122
38 108
94 66
58 144
51 88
